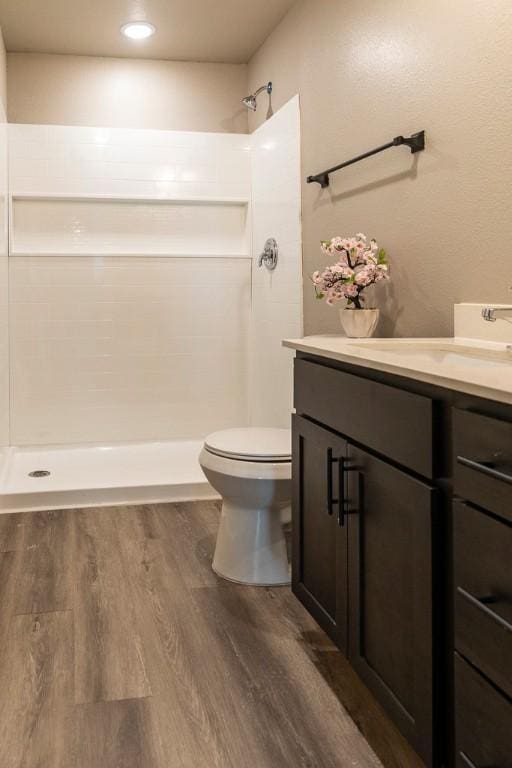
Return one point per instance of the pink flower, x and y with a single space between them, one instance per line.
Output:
351 290
366 275
358 266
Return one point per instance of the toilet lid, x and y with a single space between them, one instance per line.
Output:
251 444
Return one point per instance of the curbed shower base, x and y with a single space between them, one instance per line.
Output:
101 475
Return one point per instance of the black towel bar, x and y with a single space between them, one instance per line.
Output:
416 143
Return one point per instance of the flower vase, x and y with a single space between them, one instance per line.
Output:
359 323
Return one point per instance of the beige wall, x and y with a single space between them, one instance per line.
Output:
367 70
126 93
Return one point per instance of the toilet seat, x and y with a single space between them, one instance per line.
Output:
251 444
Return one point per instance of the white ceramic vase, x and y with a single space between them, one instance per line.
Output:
359 323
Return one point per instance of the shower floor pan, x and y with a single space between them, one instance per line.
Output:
79 476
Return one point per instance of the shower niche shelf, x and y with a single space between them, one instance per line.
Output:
212 200
131 254
49 225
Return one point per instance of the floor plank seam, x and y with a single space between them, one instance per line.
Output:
43 613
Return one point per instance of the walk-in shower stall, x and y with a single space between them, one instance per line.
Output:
134 316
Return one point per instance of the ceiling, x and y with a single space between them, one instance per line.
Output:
187 30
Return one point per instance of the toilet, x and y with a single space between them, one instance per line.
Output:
251 469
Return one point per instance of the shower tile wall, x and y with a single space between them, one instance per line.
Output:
277 296
112 347
51 159
136 312
4 287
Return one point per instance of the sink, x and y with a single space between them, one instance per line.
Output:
439 353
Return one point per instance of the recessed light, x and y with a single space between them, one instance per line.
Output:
138 30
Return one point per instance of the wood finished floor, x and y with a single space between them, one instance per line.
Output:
121 649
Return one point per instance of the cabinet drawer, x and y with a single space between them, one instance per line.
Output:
483 461
483 593
389 420
483 721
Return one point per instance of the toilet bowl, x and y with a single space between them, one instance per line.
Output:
251 470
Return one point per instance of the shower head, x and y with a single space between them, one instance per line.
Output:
250 101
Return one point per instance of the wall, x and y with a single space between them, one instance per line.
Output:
107 161
4 245
114 336
126 93
367 71
277 295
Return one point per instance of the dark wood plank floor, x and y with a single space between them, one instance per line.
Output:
120 648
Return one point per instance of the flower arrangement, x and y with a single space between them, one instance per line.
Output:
359 265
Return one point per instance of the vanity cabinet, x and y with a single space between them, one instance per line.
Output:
482 525
363 530
402 549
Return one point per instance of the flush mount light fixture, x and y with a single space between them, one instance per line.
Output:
138 30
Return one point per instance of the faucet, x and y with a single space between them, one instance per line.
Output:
489 313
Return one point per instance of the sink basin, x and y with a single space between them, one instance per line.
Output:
453 354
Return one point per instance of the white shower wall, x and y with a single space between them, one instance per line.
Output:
4 285
136 310
118 349
277 295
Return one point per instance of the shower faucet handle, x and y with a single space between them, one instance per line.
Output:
269 254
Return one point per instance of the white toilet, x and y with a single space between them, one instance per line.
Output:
251 469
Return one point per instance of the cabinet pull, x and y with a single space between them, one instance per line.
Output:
470 764
482 603
341 501
479 466
341 491
465 759
331 501
344 508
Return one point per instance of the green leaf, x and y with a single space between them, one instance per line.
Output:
382 257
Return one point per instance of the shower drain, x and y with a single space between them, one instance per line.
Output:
39 473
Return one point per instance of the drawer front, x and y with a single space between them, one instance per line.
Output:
483 592
483 721
483 461
389 420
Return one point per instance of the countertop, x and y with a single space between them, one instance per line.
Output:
483 369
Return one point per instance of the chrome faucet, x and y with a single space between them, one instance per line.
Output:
490 313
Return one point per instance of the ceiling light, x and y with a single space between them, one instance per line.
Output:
138 30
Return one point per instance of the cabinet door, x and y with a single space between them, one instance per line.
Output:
390 523
319 563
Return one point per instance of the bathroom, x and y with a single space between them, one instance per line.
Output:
255 510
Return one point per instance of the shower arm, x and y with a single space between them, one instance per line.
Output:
267 88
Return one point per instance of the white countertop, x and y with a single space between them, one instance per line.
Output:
478 368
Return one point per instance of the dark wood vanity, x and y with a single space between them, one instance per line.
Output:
402 526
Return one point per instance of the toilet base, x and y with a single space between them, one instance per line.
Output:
251 546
